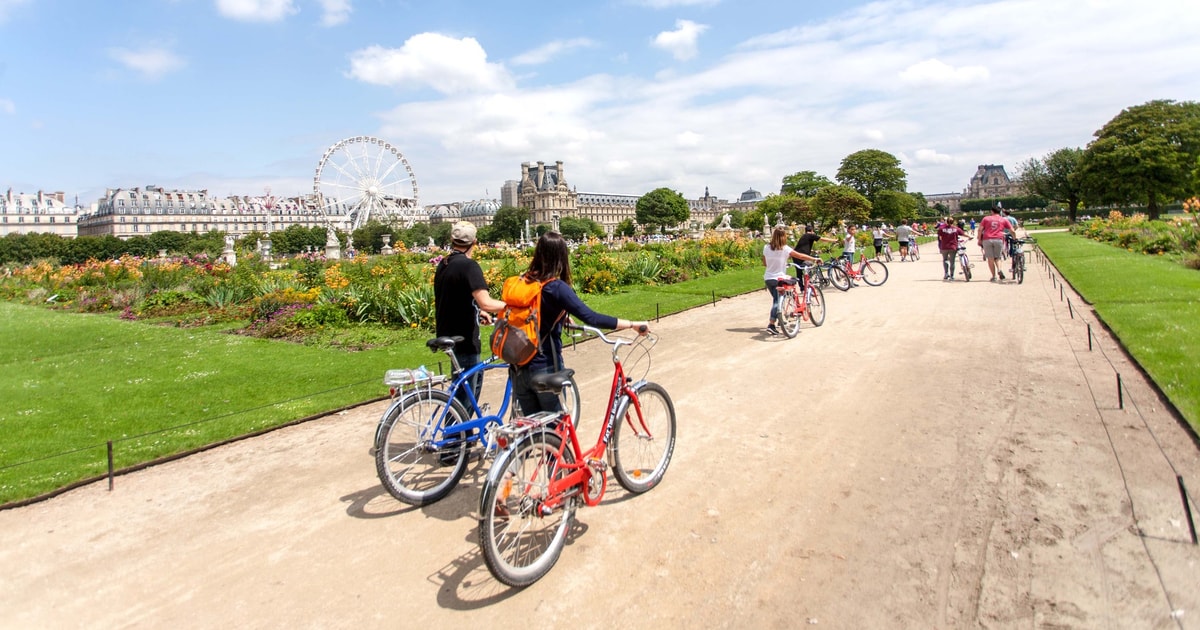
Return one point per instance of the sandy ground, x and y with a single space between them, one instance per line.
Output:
936 456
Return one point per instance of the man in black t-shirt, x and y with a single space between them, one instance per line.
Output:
460 294
805 243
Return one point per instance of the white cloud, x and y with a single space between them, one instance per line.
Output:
151 62
546 52
259 10
688 139
681 42
931 156
335 12
7 106
448 65
934 72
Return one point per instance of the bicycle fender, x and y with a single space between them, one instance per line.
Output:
386 412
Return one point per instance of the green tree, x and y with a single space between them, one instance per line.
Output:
1145 154
508 224
894 207
804 184
1056 177
870 171
662 208
579 228
369 238
626 228
795 209
834 204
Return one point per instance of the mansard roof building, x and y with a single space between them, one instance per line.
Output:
40 213
125 213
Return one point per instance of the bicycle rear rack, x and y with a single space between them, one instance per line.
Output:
524 425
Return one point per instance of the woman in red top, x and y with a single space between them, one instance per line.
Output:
948 234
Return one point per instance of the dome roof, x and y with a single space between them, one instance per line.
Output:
751 195
480 208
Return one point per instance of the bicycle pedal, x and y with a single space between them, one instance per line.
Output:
598 465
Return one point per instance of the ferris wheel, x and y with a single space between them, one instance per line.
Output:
363 178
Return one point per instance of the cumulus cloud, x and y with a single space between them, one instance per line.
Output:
681 42
548 51
260 10
7 106
931 156
334 12
688 139
448 65
934 72
150 62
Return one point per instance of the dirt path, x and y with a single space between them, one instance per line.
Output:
936 456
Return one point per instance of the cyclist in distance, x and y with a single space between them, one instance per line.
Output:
461 299
903 234
776 255
552 264
948 234
878 235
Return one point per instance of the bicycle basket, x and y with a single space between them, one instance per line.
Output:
635 357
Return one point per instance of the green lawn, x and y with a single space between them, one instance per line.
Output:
1152 304
72 382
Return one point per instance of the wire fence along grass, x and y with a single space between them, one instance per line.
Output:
71 383
1151 304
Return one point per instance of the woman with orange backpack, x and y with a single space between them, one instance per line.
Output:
551 267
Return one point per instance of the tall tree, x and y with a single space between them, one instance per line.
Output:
833 204
894 206
1056 177
1146 153
579 228
870 171
793 208
663 208
509 223
804 184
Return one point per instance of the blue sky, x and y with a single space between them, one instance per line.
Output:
237 95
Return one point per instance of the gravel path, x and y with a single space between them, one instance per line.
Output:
937 455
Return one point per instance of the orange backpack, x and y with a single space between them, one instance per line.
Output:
515 339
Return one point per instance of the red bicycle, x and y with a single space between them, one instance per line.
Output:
533 488
795 305
843 274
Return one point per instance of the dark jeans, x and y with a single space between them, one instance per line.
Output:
466 361
771 284
528 401
949 256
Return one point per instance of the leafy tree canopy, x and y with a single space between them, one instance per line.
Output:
834 204
893 206
626 228
508 224
794 209
1056 177
870 171
579 228
662 208
804 184
1147 153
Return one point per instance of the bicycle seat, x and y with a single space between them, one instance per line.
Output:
442 343
786 281
552 382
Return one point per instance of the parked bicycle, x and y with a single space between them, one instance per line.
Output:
425 436
534 486
914 251
843 274
795 305
887 250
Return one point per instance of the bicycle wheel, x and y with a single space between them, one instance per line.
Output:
875 273
789 314
914 252
520 543
1019 268
409 466
966 268
569 399
887 253
816 306
643 438
839 279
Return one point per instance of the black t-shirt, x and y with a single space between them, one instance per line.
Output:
804 244
456 279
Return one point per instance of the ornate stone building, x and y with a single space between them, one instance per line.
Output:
41 213
989 181
544 192
142 211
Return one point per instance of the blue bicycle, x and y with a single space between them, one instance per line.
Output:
426 436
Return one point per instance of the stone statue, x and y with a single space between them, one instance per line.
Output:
228 242
725 219
778 218
431 244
